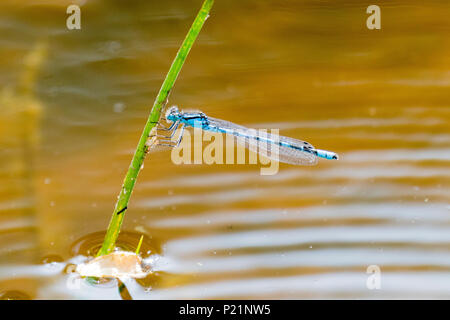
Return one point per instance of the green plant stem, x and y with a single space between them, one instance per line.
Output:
130 179
138 248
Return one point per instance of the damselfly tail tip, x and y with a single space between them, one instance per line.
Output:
326 154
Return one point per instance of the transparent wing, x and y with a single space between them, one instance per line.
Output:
267 144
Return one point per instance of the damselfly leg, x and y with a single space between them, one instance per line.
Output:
172 129
167 141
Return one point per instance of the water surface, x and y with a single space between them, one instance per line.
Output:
74 103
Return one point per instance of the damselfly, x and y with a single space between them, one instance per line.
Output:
270 145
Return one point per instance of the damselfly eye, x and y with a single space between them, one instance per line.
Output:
172 111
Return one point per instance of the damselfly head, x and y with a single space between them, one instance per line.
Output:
172 113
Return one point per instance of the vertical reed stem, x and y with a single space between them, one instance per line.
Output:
130 179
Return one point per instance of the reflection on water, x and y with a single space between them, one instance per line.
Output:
311 69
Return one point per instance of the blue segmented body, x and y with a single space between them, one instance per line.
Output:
273 146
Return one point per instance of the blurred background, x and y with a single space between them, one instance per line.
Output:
73 104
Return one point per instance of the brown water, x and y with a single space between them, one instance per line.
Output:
74 102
